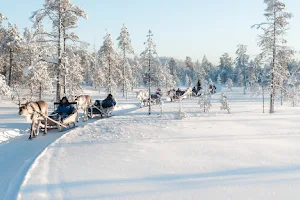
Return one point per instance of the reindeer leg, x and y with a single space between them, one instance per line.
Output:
31 130
35 129
85 114
45 130
38 127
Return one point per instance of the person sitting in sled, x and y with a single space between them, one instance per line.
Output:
158 92
194 90
64 109
109 101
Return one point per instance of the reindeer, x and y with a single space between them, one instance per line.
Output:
83 102
189 92
34 113
142 95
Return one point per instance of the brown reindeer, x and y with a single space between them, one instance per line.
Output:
35 112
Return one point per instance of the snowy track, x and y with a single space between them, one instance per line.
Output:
17 155
245 155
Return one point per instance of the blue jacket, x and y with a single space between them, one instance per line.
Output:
65 110
108 102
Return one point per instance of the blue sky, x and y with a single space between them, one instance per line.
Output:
181 28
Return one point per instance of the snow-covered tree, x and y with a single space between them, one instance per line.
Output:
64 16
225 67
137 76
224 103
73 71
242 63
219 80
38 79
205 99
229 84
165 76
124 44
173 66
205 67
109 61
272 41
150 62
190 66
10 46
4 88
187 80
201 74
252 72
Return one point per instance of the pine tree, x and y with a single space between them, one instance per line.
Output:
173 70
10 46
242 63
109 61
190 66
125 46
38 79
225 67
149 61
229 84
205 99
272 42
224 103
136 73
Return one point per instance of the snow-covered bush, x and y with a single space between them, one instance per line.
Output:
180 114
224 103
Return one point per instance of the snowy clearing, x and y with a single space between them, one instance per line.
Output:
243 155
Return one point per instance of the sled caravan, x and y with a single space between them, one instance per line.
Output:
173 94
65 114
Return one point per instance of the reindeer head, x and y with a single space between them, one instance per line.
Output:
23 110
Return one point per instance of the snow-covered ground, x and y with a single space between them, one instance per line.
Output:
242 155
17 153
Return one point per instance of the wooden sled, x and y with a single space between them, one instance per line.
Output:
96 110
61 125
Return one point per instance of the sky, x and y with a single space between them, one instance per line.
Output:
181 28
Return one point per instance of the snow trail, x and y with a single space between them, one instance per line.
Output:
18 154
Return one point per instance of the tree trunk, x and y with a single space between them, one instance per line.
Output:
272 93
149 70
59 53
281 97
10 67
40 91
263 94
124 79
64 48
245 81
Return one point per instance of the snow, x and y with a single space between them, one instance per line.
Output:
243 155
17 153
9 134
